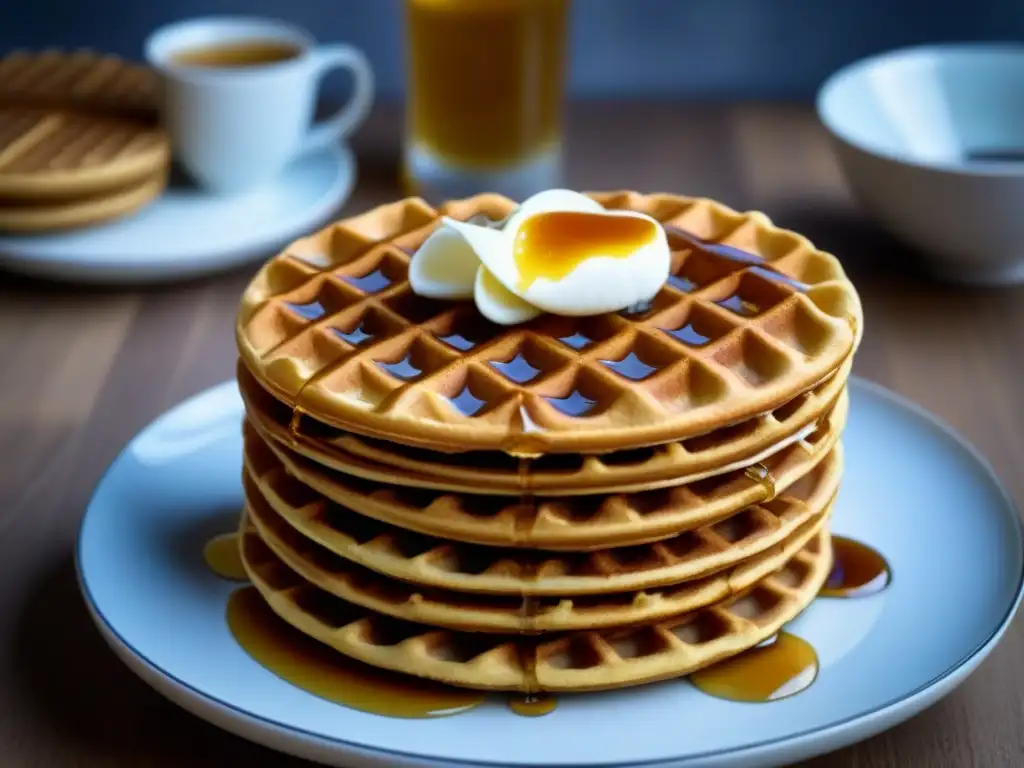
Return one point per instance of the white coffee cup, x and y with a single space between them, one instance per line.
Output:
236 127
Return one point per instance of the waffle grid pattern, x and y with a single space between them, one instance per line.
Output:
562 474
441 563
573 661
555 523
268 537
46 154
331 326
80 80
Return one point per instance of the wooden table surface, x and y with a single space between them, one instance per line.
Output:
84 369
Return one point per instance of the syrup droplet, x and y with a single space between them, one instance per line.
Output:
458 341
739 306
223 558
576 341
689 335
518 369
857 570
533 705
776 669
314 310
467 403
690 240
402 369
374 282
295 422
324 672
681 283
551 245
778 277
731 253
760 474
356 336
631 366
573 405
529 605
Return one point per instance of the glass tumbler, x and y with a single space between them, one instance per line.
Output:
484 96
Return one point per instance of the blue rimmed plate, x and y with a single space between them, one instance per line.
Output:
912 489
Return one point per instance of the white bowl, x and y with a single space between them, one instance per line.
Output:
931 140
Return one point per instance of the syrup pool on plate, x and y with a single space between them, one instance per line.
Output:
223 558
323 672
857 570
777 669
788 664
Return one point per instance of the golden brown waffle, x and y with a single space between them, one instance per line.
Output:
80 80
573 661
269 537
561 474
65 214
429 561
66 156
556 523
331 327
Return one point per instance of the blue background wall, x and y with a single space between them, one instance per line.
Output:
640 48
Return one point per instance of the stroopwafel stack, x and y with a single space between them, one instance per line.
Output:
79 142
576 503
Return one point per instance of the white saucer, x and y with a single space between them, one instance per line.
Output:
186 232
913 490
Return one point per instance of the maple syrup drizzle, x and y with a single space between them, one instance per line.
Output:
757 264
777 669
223 558
787 664
759 473
530 703
533 704
323 672
857 570
553 244
295 425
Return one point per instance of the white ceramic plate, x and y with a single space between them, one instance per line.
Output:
913 490
187 233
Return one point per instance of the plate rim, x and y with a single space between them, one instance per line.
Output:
166 267
952 674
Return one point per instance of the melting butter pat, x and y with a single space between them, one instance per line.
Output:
559 252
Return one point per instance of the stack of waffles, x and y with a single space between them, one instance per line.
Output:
79 142
570 504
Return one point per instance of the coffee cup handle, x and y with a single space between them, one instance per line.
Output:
338 56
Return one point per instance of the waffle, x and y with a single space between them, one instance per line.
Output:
555 523
49 156
572 661
66 214
328 325
563 474
80 80
429 561
268 537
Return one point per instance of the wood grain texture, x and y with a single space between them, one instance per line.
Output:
84 369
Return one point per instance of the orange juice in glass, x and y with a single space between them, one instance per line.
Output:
484 96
